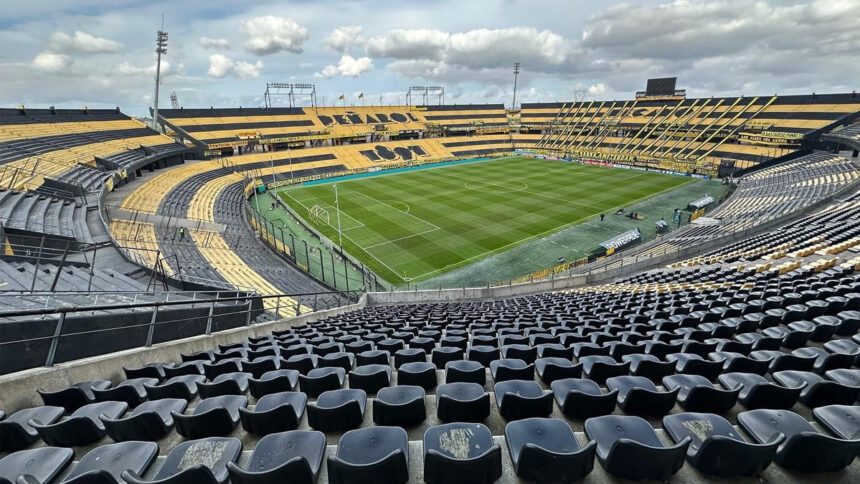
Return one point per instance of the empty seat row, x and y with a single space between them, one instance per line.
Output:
541 450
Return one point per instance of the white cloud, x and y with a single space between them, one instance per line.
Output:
213 43
246 70
82 43
222 66
270 34
597 90
347 66
51 62
409 44
344 38
540 50
712 46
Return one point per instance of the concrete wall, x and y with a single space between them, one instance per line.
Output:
18 390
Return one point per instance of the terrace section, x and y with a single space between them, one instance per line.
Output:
74 151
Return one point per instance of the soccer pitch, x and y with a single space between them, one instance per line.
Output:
414 225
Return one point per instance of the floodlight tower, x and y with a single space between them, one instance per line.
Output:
516 74
160 48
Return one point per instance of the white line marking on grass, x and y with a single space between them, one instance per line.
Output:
361 247
400 238
395 208
360 224
544 233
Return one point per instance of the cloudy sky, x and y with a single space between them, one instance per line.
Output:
98 53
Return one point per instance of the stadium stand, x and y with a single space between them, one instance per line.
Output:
735 355
687 134
762 195
692 360
77 148
42 214
847 136
233 131
459 119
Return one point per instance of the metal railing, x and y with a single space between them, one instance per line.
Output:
72 332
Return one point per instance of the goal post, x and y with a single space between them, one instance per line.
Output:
318 214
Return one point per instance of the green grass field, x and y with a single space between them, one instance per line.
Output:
415 225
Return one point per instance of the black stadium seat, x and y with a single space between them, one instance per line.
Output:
461 452
804 448
375 454
627 447
150 421
337 410
212 417
43 464
107 463
716 448
175 469
82 427
16 432
582 399
293 456
401 405
275 412
546 450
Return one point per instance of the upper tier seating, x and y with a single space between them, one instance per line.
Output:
688 134
71 145
848 136
221 128
35 212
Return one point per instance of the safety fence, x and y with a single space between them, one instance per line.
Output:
44 336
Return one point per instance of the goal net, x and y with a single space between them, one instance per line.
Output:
318 215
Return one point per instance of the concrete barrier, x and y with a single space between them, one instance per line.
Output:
18 390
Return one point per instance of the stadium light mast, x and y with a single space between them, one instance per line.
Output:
337 208
516 74
160 48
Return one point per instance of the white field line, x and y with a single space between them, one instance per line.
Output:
360 224
401 238
395 208
544 233
393 271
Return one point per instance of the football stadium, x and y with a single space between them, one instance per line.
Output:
576 247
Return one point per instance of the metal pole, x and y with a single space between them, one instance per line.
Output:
209 318
60 267
151 330
160 48
154 268
36 267
337 207
55 341
248 319
92 268
333 273
516 74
